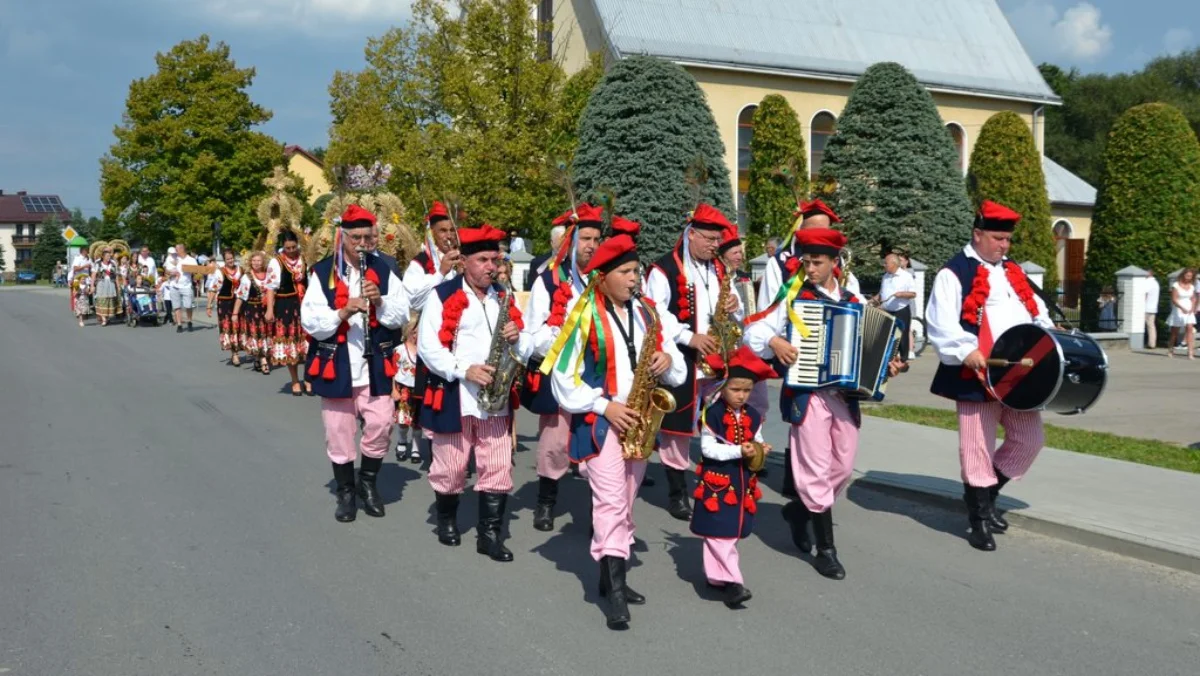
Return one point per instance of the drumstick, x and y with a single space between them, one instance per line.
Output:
1027 363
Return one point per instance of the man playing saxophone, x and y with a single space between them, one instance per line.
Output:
612 347
455 341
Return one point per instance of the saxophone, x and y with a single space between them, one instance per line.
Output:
723 328
501 356
646 399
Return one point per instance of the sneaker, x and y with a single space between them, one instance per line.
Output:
178 328
414 456
189 327
401 451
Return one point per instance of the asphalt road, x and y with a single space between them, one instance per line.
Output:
162 512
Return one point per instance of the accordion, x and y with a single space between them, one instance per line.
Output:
848 348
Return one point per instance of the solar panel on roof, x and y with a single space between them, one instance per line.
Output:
40 204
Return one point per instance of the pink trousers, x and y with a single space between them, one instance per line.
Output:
823 450
553 435
340 417
721 561
493 457
614 482
1023 439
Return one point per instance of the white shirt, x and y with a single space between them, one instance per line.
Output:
899 282
80 264
1152 293
715 448
758 335
243 288
148 262
406 366
275 271
418 283
537 311
471 345
517 244
174 264
1004 310
706 289
773 279
321 321
583 399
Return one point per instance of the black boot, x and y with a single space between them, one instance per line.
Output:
736 595
788 489
797 517
677 497
447 519
347 508
491 523
367 474
631 597
979 506
612 577
826 563
997 522
543 513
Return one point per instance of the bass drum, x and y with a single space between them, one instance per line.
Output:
1069 372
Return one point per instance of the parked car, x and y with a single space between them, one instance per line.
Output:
26 277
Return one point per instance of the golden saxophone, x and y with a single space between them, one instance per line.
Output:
508 368
646 399
723 328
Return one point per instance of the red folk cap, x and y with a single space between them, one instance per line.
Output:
707 217
483 238
624 226
613 253
584 213
731 239
357 217
996 217
821 241
817 207
437 213
745 364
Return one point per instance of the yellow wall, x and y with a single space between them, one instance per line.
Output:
1080 219
312 174
575 39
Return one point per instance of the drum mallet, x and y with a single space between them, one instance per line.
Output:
1027 363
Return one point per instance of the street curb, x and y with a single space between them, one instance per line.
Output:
1045 526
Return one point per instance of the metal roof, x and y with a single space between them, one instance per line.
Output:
1065 187
964 45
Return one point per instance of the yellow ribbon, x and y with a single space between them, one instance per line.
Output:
797 284
564 336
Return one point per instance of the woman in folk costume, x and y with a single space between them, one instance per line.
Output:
351 316
104 281
824 422
222 287
979 295
554 290
592 365
249 312
289 344
462 318
727 491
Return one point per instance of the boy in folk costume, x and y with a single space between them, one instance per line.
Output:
455 334
979 295
685 283
554 290
727 493
824 434
341 311
592 366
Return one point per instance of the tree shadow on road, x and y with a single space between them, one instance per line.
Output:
686 550
939 512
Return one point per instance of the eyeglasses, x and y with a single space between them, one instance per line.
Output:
366 237
707 238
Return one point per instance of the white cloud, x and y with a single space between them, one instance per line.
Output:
1078 34
1177 40
308 13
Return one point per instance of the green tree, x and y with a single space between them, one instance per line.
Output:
1149 197
93 226
50 247
778 171
572 100
80 224
108 230
896 170
644 126
186 152
1006 167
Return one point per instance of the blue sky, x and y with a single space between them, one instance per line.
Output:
67 64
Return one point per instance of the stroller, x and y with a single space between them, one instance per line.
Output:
141 305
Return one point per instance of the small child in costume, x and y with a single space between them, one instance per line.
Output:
402 387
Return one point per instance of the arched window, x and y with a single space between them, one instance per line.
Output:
823 125
745 133
960 143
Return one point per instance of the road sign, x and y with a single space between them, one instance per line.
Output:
69 233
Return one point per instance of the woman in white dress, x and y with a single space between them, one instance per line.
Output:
1183 312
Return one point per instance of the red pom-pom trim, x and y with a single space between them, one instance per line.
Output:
699 492
711 504
1020 285
452 311
558 305
328 373
792 265
731 498
976 300
314 369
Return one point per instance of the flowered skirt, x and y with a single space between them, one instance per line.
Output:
229 326
404 408
290 342
256 337
107 300
83 305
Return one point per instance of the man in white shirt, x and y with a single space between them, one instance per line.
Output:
896 296
146 262
182 291
1152 294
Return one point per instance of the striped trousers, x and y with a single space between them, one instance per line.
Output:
977 452
554 433
493 457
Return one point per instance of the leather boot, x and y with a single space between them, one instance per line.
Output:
677 494
612 576
797 517
788 489
632 597
997 522
347 508
367 474
826 563
447 519
978 507
736 595
491 523
543 512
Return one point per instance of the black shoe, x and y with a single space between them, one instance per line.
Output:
189 327
797 517
677 498
491 522
631 596
736 595
826 562
347 508
178 328
996 522
612 576
543 513
648 481
367 474
447 519
978 508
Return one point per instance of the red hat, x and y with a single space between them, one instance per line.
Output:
745 364
483 238
821 241
437 212
817 207
732 238
624 226
996 217
707 217
584 213
613 253
357 217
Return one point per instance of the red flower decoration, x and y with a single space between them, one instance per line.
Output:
685 298
792 265
739 430
452 311
558 305
1020 284
973 304
514 313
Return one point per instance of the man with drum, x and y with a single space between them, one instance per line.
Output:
977 296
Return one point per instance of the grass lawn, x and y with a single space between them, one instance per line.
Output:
1143 451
